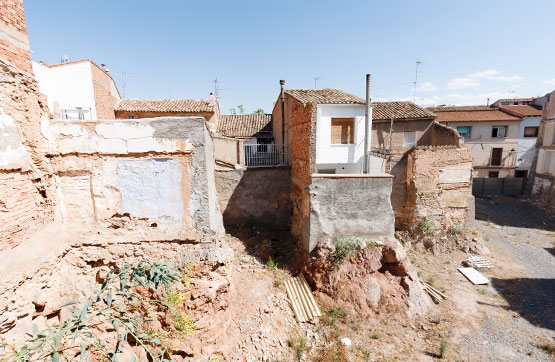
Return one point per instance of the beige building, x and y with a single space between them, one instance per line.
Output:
491 135
544 179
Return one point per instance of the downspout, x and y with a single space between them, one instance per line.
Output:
282 85
367 125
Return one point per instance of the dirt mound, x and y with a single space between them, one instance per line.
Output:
368 277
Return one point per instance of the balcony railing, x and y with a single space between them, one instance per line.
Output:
265 155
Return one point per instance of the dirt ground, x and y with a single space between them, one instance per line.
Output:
510 319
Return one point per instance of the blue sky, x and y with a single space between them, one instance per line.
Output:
471 50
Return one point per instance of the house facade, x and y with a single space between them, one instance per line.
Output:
150 108
544 178
491 134
78 90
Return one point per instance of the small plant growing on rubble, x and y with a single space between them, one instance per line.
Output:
345 247
443 348
175 299
116 302
456 229
375 335
299 345
428 226
431 281
271 265
333 315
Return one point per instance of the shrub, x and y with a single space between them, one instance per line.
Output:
345 247
428 226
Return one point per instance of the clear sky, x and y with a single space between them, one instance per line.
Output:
471 50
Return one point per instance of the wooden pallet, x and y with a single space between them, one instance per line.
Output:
301 298
479 262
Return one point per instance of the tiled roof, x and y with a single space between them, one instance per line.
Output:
524 110
471 114
166 105
324 96
399 110
244 125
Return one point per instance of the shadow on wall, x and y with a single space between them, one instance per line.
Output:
517 212
532 299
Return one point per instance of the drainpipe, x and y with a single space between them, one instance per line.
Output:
367 125
282 85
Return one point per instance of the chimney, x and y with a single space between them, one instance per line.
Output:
212 98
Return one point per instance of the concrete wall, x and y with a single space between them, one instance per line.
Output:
211 118
160 170
257 195
349 205
229 150
325 151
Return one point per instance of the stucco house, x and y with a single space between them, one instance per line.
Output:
530 115
77 90
150 108
491 134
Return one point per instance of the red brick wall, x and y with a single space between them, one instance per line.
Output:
18 208
15 48
102 85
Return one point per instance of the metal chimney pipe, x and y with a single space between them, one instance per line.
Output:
367 125
282 85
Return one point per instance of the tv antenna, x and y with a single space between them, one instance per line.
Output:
123 75
418 63
316 79
217 88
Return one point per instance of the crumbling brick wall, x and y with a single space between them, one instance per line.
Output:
24 168
439 187
103 99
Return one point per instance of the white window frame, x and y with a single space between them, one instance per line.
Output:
506 128
462 134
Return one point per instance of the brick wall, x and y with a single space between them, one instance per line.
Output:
102 87
18 208
14 45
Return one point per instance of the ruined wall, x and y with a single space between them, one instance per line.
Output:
439 187
350 205
25 197
259 196
210 117
229 150
438 134
381 129
160 170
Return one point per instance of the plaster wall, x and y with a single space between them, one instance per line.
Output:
526 145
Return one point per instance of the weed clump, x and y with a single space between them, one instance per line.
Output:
345 247
271 265
333 315
456 229
300 346
428 226
443 348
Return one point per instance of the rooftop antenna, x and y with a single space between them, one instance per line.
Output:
65 59
418 62
123 75
217 88
316 79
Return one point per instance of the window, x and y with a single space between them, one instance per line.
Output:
531 131
342 131
464 131
499 131
131 116
496 156
493 174
409 139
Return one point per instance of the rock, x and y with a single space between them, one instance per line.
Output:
373 292
393 252
401 268
7 322
346 342
418 301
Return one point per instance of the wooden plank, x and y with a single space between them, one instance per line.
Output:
474 276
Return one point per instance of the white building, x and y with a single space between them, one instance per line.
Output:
528 133
77 90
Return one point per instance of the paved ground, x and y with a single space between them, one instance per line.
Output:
518 316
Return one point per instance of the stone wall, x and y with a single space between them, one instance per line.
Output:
438 187
350 205
259 196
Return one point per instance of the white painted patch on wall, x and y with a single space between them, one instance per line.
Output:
12 152
151 189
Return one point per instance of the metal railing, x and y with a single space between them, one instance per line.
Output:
76 113
265 155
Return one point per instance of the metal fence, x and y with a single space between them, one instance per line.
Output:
265 155
510 186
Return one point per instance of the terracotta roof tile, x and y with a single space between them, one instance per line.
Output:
244 125
471 114
524 110
324 96
399 110
166 105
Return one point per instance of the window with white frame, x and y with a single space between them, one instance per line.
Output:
499 131
409 139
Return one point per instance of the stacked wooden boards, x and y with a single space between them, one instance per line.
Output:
302 300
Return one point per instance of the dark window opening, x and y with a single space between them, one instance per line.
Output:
496 156
531 131
493 174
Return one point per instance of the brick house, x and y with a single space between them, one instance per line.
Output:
78 90
491 134
150 108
